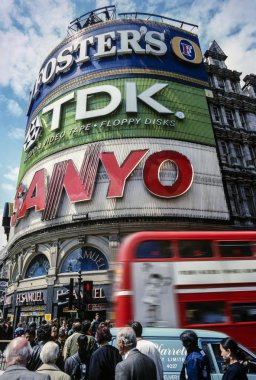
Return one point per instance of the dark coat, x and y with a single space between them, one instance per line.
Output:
35 361
103 363
235 371
136 366
75 368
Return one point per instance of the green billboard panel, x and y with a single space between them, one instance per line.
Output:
118 108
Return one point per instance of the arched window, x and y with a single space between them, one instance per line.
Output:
85 259
39 266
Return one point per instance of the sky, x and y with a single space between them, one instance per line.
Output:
30 29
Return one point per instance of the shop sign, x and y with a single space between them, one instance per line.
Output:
98 293
30 297
67 310
48 317
96 306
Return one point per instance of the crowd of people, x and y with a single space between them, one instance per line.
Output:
81 351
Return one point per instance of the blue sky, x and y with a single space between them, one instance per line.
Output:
30 29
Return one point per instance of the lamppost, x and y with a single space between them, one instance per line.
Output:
79 291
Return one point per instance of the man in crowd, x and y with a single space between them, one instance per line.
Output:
71 347
196 365
43 336
19 331
148 348
17 354
95 324
30 335
135 364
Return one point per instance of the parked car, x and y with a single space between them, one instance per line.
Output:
173 353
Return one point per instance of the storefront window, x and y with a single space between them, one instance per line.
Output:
39 266
85 259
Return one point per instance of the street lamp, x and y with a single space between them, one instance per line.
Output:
79 290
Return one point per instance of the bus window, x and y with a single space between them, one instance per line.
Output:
205 312
154 249
244 312
236 249
196 249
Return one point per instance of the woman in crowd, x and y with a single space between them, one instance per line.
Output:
105 358
49 356
77 365
232 354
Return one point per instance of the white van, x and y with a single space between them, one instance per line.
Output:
173 353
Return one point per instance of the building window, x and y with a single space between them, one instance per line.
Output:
252 151
85 259
243 119
239 154
211 81
233 86
224 152
39 266
230 118
235 196
250 199
221 83
216 114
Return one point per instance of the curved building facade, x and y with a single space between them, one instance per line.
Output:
119 139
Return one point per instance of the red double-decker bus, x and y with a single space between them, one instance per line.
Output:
193 279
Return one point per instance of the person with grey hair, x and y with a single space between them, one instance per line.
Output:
135 364
17 355
148 348
49 355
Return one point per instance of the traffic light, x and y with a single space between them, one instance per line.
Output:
87 291
70 296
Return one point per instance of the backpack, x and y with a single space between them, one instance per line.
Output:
79 371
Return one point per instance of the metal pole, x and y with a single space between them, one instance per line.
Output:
79 291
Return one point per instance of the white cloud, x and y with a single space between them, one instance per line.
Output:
14 108
218 20
16 133
12 174
8 187
30 29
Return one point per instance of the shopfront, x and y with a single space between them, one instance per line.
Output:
99 302
30 306
8 307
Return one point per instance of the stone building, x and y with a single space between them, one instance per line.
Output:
233 112
71 210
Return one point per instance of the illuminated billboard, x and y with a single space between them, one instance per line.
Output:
119 126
